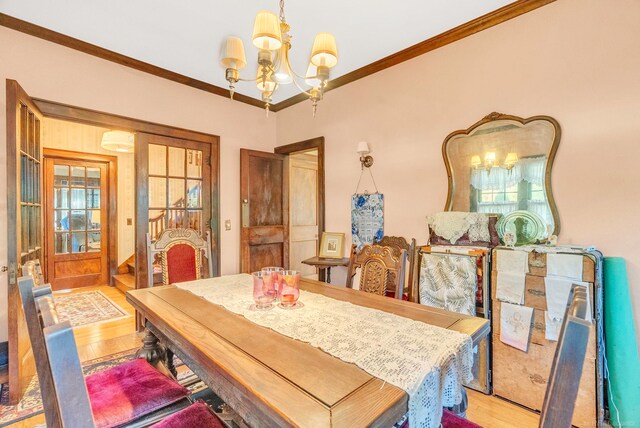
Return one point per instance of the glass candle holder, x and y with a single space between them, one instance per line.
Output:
264 291
289 291
276 278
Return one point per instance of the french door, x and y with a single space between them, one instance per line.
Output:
24 223
176 187
77 220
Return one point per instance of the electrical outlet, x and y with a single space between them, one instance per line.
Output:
227 225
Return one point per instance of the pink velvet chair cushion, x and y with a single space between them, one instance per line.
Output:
181 263
197 415
129 391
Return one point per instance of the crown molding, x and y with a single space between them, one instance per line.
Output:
88 48
483 22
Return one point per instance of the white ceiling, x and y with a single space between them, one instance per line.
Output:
187 37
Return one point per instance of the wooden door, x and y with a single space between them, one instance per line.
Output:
176 187
303 211
264 204
24 223
77 221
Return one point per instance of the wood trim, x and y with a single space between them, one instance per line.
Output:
483 22
301 146
88 48
86 116
112 214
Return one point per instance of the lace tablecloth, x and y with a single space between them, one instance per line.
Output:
430 363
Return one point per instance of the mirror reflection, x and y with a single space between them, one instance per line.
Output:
502 165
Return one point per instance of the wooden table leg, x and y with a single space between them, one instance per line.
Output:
151 350
322 275
328 275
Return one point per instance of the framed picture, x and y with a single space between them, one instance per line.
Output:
332 245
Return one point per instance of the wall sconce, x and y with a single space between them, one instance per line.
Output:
510 160
489 160
363 150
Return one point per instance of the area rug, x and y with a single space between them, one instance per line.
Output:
31 403
88 307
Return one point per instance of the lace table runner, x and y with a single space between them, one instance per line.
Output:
430 363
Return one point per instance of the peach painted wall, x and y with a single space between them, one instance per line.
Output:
49 71
575 60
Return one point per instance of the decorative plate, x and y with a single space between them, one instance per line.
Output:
527 227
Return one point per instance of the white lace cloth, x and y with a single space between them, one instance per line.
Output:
430 363
452 225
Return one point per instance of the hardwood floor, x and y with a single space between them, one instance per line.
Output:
98 340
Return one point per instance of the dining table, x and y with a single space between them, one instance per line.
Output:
270 379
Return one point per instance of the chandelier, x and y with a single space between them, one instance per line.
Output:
271 37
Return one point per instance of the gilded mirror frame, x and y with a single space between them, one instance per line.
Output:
547 175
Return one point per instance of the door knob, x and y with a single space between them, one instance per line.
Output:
4 268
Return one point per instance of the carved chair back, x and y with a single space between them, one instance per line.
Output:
381 272
64 392
33 269
566 369
399 243
181 255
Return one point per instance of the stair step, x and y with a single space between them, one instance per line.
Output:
124 282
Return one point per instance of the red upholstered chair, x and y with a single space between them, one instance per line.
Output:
197 415
130 394
181 255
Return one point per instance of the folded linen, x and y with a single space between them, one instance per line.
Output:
515 325
510 287
551 327
513 261
557 291
565 265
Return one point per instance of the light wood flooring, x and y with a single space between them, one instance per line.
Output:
98 340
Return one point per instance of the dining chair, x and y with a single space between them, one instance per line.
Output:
381 272
132 394
568 361
33 269
181 254
399 243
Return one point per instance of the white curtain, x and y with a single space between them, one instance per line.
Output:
528 169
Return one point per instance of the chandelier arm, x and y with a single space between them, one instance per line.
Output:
248 80
300 88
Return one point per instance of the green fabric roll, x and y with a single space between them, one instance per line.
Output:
621 347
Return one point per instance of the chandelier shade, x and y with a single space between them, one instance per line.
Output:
266 31
325 51
234 56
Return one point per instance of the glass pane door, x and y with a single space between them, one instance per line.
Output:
175 189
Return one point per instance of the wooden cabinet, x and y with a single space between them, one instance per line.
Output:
522 376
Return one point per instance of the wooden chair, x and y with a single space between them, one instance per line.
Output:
399 243
566 369
381 272
132 394
33 269
182 252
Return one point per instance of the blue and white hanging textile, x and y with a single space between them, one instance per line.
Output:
367 219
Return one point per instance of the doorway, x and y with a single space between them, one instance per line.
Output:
79 219
306 202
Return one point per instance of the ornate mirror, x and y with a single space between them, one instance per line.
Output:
502 165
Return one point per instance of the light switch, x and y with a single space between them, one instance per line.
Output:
129 222
227 225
